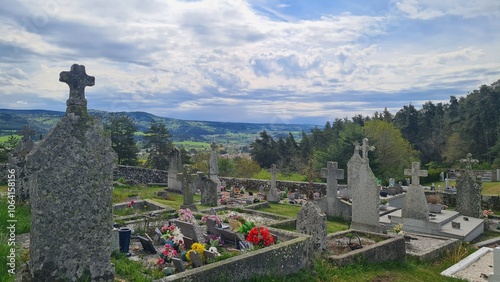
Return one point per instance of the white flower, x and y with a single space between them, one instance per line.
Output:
214 250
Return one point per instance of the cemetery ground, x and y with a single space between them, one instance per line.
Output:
321 270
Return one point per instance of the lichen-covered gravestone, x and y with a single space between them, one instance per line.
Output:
188 181
213 166
468 191
312 221
209 192
365 192
332 173
273 194
415 204
174 167
71 193
17 160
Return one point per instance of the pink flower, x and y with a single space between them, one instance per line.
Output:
161 261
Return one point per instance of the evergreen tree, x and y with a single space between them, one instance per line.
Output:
158 141
264 150
122 129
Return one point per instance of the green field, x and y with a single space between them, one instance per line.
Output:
489 188
6 137
188 145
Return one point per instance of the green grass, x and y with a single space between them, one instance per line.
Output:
129 270
193 145
491 188
121 193
282 209
408 270
6 137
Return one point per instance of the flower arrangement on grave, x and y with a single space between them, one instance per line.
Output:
213 217
487 213
398 229
246 227
173 236
260 236
131 204
235 216
214 240
186 215
224 199
434 199
166 255
198 248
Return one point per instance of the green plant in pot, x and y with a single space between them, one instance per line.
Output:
246 227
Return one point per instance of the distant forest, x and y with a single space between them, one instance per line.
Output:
438 135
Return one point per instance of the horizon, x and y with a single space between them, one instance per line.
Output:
275 61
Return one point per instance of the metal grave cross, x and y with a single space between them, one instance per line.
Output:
77 80
26 133
469 161
332 173
415 172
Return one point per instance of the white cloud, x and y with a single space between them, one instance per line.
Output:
241 54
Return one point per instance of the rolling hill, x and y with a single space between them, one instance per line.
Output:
42 121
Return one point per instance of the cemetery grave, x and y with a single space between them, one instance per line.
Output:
348 246
280 252
139 208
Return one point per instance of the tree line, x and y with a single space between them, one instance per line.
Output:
437 135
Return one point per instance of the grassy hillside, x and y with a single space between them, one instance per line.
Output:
182 130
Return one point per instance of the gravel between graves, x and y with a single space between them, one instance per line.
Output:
477 271
423 244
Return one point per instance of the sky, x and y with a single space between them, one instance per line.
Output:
276 61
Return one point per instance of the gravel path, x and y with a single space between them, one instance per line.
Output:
477 271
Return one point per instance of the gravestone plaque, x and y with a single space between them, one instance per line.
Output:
468 190
312 221
178 264
195 259
71 194
415 203
209 192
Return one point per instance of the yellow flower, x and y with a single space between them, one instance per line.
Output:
199 248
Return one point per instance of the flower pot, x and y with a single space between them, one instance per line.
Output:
124 235
435 208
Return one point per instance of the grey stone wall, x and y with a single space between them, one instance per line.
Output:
140 174
254 184
280 260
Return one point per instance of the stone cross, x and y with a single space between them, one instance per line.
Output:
469 161
77 80
357 147
273 172
213 165
187 180
415 173
365 147
273 195
26 133
332 173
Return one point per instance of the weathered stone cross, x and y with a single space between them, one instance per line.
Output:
366 148
273 172
187 180
26 133
332 173
77 80
469 161
415 173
